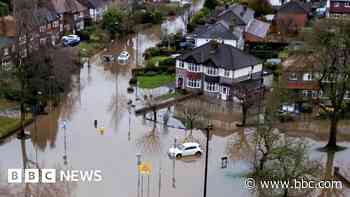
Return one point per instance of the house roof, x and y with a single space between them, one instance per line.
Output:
94 3
258 28
219 30
238 14
300 63
221 55
62 6
44 15
8 26
6 41
294 7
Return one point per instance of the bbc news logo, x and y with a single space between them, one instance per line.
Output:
52 175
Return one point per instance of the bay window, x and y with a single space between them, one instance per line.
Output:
212 71
211 87
192 83
194 67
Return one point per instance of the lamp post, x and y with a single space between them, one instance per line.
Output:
209 127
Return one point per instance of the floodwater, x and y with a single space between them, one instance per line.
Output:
100 93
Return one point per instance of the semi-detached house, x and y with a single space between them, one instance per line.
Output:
215 69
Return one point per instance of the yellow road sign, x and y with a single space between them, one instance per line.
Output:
145 168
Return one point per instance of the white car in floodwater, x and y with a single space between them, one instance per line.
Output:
123 56
185 149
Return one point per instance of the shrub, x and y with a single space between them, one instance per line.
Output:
4 9
151 52
167 62
200 18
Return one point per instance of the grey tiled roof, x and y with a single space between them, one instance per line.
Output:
44 15
293 7
62 6
258 28
218 30
94 3
221 55
237 13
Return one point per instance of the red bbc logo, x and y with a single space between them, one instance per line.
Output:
31 176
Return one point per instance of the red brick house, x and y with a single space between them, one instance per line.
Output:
300 74
291 17
339 8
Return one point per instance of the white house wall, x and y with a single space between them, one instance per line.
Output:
242 72
202 41
257 68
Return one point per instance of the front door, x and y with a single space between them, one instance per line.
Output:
224 93
180 82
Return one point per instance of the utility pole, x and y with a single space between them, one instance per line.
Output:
138 156
209 127
174 158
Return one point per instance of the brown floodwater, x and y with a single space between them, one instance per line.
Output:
100 93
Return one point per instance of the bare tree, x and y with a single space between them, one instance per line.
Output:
248 97
329 42
191 111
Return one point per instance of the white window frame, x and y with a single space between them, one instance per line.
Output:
6 65
291 76
194 67
55 24
347 4
211 87
227 73
212 71
307 77
24 53
336 4
42 28
42 41
22 39
181 64
192 83
6 51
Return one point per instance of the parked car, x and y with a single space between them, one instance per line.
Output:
288 112
187 45
71 40
290 108
185 149
185 3
123 56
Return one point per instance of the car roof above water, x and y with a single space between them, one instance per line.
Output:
187 144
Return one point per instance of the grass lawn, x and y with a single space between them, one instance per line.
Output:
89 48
156 59
150 82
4 104
9 125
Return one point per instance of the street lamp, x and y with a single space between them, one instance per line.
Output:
207 129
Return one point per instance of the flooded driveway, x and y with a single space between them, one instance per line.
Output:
100 93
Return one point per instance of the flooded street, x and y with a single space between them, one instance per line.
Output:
100 93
